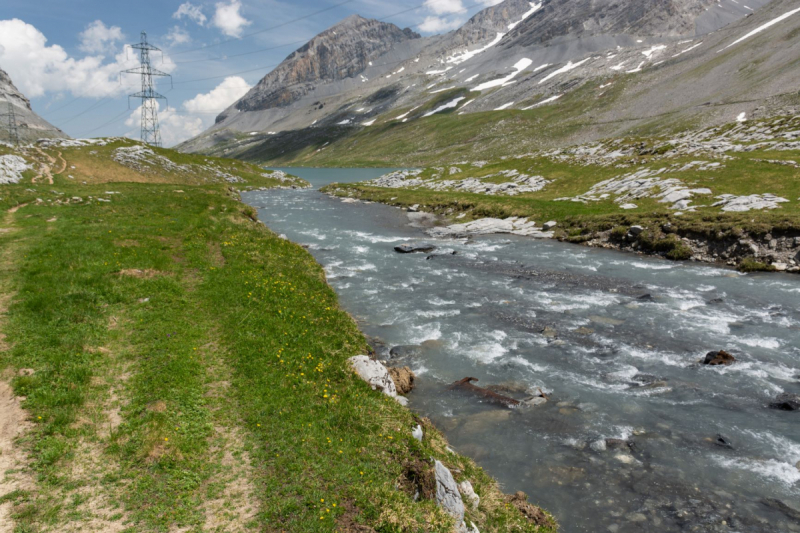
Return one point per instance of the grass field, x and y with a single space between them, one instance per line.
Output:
175 366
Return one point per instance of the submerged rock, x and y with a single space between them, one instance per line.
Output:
786 402
722 442
719 358
407 350
409 248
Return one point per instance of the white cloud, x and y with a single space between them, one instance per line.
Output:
178 35
219 98
228 19
445 7
489 3
37 68
97 37
173 126
192 12
439 24
196 114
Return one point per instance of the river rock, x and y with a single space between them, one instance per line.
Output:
447 495
547 331
718 358
598 445
786 402
403 379
374 373
409 248
550 224
597 319
408 350
468 493
722 442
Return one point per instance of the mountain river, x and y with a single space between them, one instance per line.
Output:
636 435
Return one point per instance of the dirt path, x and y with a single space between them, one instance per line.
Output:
13 419
45 168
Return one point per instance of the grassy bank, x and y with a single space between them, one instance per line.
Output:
181 368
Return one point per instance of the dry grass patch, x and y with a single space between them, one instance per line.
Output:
146 273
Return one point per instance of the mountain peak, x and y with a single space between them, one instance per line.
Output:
342 51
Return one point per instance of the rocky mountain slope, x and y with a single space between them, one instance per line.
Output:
31 126
515 55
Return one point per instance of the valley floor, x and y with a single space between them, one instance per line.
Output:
168 364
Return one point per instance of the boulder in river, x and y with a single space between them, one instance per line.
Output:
412 248
786 402
403 379
719 358
723 442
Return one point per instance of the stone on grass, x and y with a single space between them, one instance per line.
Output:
468 493
374 373
447 495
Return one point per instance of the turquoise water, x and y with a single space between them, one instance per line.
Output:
620 361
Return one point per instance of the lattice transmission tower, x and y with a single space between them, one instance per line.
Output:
148 95
13 128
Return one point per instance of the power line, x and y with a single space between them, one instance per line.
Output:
340 4
115 119
148 95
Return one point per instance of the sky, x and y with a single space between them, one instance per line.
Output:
66 57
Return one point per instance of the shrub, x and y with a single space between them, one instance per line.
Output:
751 264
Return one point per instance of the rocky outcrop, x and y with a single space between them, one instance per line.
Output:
587 18
342 51
30 125
376 375
447 495
487 226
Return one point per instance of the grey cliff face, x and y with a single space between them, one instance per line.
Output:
581 18
343 51
31 126
485 25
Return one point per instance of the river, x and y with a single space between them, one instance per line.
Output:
613 339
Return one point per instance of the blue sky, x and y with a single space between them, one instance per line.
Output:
65 56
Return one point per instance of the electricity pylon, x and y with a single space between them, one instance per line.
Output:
13 129
148 95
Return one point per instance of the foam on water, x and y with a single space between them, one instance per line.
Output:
784 473
487 352
439 313
439 301
758 342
